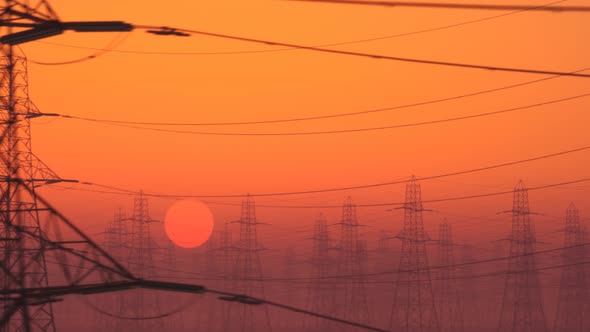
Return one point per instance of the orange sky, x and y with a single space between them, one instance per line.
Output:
201 88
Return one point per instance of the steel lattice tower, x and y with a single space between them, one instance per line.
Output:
247 276
115 243
573 299
350 262
321 291
413 306
448 301
21 168
140 303
522 306
31 228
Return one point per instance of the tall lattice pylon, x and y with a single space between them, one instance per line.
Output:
448 300
413 307
115 243
522 305
141 247
247 276
573 300
352 292
321 292
19 167
32 231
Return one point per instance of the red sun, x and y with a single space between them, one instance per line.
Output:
188 223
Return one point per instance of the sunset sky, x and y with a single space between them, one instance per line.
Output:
138 82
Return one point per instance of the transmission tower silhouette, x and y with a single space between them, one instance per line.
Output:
321 292
115 243
448 300
353 298
413 306
573 300
247 276
522 306
33 232
142 304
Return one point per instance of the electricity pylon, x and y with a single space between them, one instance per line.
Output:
522 306
413 304
573 300
142 304
448 300
115 243
321 293
247 276
350 263
32 231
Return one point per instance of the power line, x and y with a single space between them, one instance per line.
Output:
403 34
389 272
373 56
455 5
123 191
449 199
457 198
347 131
321 117
99 52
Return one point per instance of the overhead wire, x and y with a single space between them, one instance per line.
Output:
123 191
389 204
108 48
373 56
322 117
203 276
449 5
348 131
358 41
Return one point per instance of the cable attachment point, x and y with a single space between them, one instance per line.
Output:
166 31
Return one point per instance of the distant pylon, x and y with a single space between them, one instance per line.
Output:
448 300
350 262
321 292
142 304
573 300
247 276
115 243
413 304
522 306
